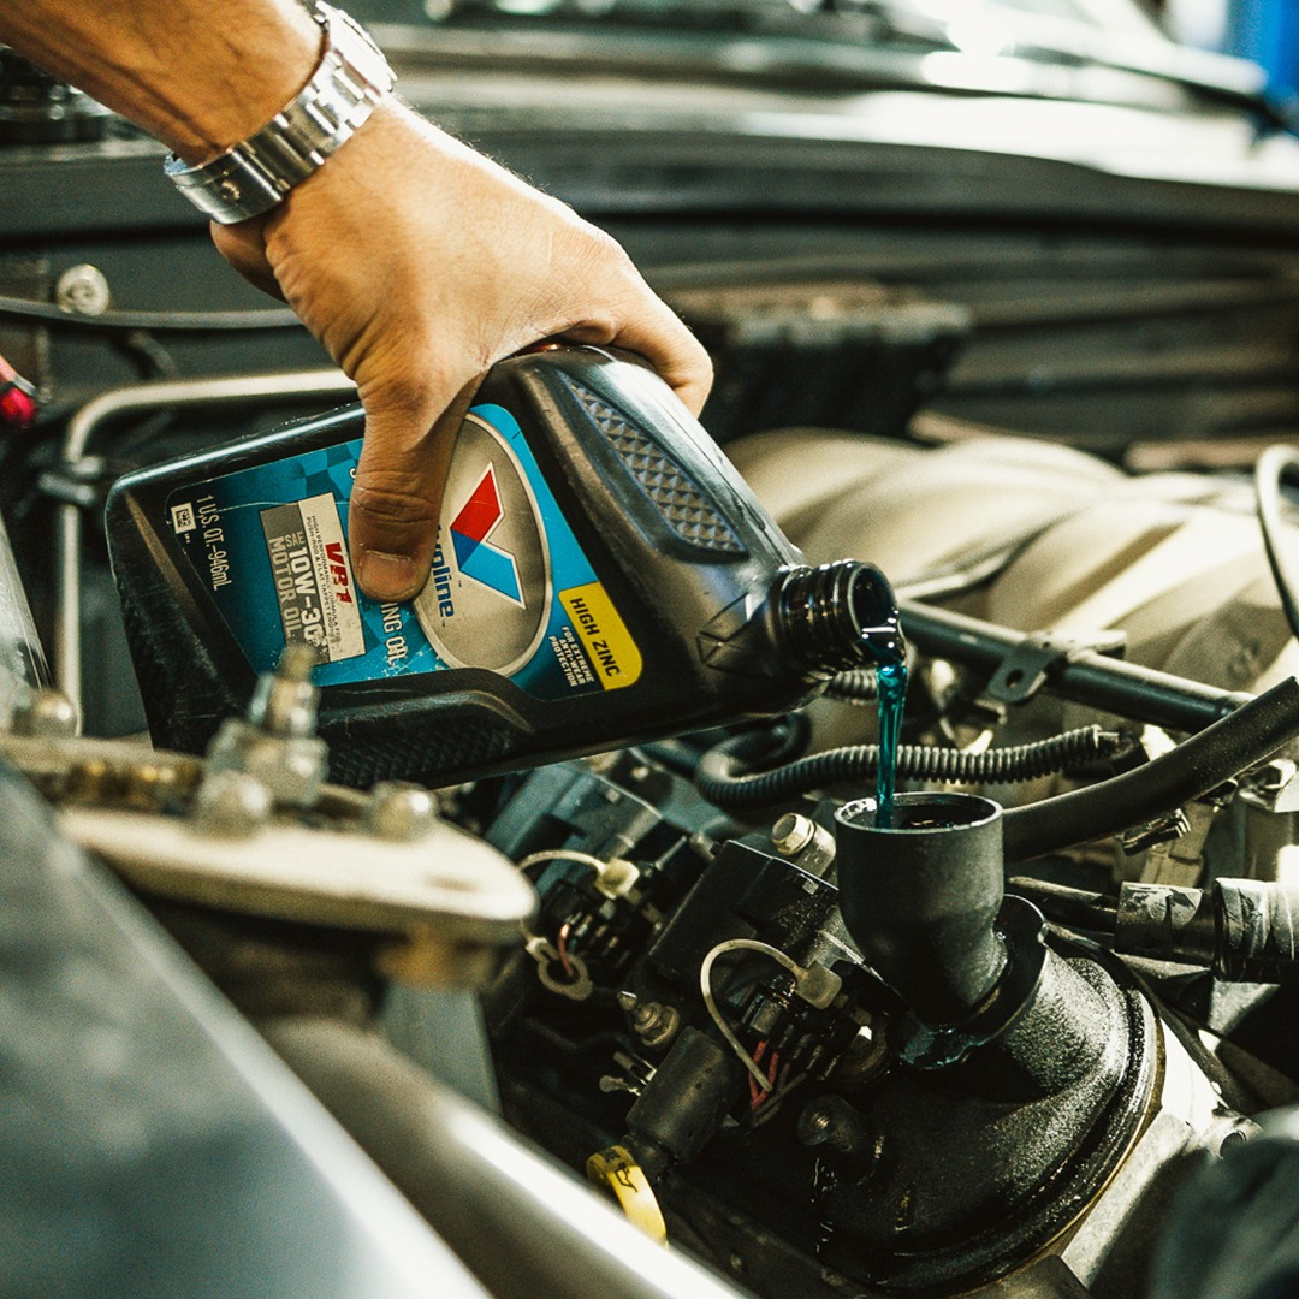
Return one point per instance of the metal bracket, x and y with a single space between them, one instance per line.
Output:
1024 670
81 485
1150 834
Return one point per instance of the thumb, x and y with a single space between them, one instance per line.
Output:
397 494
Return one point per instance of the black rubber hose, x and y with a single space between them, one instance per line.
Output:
1268 474
725 777
1251 734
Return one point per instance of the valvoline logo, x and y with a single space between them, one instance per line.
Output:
476 557
488 599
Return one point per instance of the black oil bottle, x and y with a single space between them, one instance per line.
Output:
602 576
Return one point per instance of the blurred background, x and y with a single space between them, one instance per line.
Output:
1265 31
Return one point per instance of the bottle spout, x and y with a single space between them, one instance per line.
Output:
837 616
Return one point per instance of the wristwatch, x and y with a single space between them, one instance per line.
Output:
253 176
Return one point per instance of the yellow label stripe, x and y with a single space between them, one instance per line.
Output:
607 641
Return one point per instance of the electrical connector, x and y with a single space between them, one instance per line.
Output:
17 397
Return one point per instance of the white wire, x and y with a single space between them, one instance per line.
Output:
706 987
614 878
705 970
564 854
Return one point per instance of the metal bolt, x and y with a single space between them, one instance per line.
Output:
45 713
276 743
645 1015
792 833
655 1023
297 662
809 845
284 702
232 804
400 812
813 1124
832 1122
83 290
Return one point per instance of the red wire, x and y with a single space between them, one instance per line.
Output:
561 946
756 1094
755 1091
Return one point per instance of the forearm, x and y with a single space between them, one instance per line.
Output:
200 75
416 262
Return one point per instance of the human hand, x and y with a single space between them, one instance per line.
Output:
418 264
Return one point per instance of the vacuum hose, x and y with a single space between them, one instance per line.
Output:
855 685
1239 741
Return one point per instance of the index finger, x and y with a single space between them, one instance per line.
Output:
658 334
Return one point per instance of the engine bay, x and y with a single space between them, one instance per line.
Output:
871 1160
801 1079
1035 1041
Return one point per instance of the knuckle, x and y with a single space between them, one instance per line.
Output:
700 358
618 260
394 499
594 250
605 245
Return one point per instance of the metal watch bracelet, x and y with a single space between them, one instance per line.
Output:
253 176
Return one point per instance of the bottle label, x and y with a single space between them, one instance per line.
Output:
511 589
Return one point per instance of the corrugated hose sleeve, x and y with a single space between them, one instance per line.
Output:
723 776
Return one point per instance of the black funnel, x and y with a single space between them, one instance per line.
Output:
920 899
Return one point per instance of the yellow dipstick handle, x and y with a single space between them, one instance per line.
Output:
616 1172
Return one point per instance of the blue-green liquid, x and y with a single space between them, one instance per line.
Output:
892 675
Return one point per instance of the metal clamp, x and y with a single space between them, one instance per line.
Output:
1025 669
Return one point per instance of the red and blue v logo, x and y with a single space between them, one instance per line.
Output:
476 557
